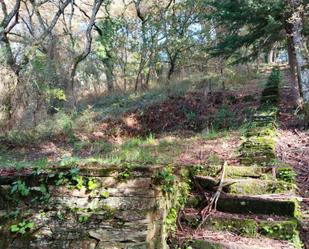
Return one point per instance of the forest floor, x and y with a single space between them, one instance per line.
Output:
293 148
189 128
196 128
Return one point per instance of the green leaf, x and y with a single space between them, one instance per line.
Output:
14 228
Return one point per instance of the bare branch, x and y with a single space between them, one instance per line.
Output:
8 18
138 11
55 19
38 15
12 25
3 7
96 6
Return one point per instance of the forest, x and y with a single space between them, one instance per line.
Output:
154 124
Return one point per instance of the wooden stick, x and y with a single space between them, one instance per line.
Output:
212 206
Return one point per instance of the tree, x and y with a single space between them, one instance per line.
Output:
182 33
107 36
31 35
258 25
302 54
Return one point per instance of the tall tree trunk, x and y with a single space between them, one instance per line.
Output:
292 59
172 66
109 68
292 64
271 56
302 61
9 81
109 77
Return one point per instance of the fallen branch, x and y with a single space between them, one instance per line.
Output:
212 205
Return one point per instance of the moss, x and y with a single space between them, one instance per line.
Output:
280 187
178 200
286 174
166 179
177 196
259 187
259 142
283 230
244 227
202 244
194 201
170 220
234 171
246 186
297 209
243 172
258 149
249 227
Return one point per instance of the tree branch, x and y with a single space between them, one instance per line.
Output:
9 16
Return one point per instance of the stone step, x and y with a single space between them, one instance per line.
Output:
270 99
260 132
246 186
226 240
263 119
237 171
279 171
246 225
273 204
268 205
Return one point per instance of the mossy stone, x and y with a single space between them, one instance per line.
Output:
283 230
248 205
244 227
202 244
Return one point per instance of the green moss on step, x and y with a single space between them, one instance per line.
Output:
202 244
286 174
283 230
259 187
244 227
246 186
233 171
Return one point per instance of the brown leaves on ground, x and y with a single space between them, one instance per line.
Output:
293 148
192 112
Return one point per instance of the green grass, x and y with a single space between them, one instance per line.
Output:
116 104
72 129
20 160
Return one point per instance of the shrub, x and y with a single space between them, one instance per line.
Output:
224 119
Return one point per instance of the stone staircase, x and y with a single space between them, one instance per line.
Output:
258 206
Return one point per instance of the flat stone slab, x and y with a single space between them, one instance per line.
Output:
247 225
257 205
247 186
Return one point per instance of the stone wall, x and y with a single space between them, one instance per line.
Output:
92 207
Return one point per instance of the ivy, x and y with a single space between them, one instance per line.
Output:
22 227
166 179
21 188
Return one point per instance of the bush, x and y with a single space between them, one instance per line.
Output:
224 119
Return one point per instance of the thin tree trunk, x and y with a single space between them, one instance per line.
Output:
292 63
83 55
109 79
172 66
271 56
302 61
